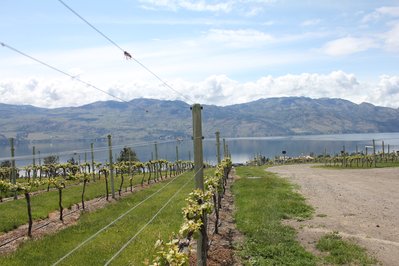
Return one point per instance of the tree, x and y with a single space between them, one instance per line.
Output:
72 161
6 163
51 159
127 154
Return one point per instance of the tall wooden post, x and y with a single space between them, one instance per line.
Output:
383 149
156 150
111 167
34 162
224 149
40 158
130 165
218 146
374 157
156 158
177 153
92 161
199 179
13 171
343 156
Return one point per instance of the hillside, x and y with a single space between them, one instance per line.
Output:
147 119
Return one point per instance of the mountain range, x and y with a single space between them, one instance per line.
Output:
149 119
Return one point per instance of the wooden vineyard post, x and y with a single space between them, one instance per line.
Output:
218 146
13 171
92 161
111 167
177 153
383 149
199 180
156 159
343 156
156 150
34 162
374 157
224 149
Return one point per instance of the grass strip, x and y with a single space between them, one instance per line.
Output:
49 249
13 213
342 252
262 201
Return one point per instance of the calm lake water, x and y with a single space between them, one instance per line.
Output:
241 149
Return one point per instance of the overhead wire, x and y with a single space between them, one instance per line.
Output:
91 25
148 223
126 53
64 72
113 222
60 71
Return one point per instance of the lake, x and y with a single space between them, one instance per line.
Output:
241 149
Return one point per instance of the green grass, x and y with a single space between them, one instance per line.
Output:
14 213
343 252
261 204
49 249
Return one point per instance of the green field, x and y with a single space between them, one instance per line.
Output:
14 213
101 248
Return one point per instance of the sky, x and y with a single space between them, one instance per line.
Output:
209 52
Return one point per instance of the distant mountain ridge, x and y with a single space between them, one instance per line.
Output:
149 119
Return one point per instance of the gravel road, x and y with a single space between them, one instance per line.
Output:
362 205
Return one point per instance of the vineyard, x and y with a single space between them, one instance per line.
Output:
97 207
344 159
36 196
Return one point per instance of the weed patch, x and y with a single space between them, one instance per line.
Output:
343 252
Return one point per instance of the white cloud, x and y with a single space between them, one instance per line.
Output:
348 45
391 38
268 23
216 89
198 6
239 38
310 22
382 12
386 92
247 8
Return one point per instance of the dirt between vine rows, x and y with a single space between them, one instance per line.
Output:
52 224
362 205
222 246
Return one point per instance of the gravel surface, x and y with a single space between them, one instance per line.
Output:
362 205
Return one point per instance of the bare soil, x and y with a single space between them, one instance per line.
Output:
362 205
